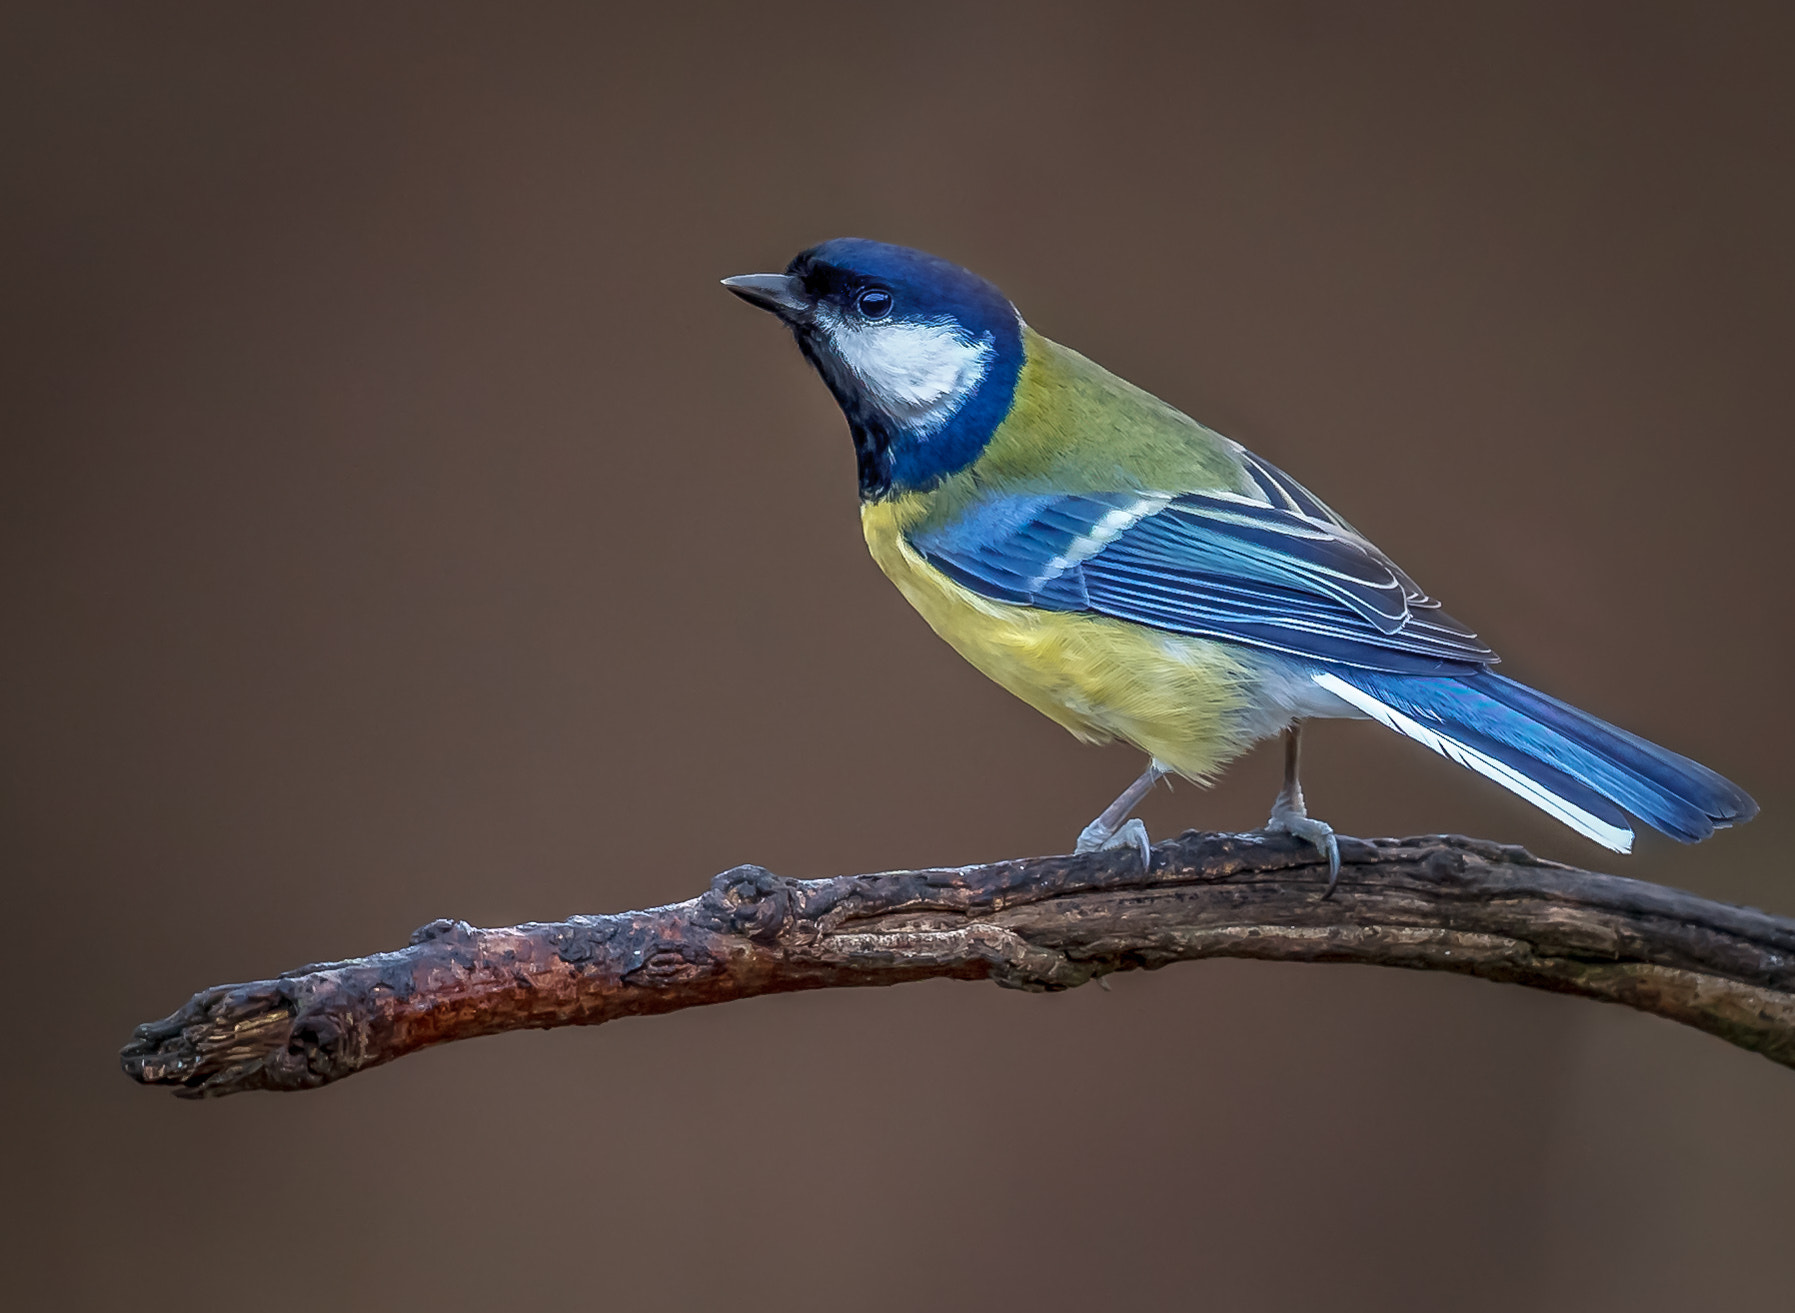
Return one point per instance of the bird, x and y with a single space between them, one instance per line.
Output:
1138 577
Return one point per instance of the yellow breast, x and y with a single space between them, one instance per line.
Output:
1179 699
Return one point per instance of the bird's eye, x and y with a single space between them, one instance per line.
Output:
874 303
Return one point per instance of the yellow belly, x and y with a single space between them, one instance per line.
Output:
1178 699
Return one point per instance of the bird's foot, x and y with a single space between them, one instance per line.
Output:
1098 837
1302 826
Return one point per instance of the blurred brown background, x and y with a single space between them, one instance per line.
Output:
400 522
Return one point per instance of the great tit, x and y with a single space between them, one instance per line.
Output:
1134 575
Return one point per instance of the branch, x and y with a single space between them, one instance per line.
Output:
1044 923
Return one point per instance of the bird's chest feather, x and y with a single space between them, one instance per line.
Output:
1184 700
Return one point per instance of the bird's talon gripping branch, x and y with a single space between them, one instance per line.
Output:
1289 816
1132 834
1115 829
1319 833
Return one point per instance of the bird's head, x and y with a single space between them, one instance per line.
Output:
922 355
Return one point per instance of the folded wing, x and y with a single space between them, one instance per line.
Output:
1289 576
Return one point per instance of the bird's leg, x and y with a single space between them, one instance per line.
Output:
1289 817
1114 829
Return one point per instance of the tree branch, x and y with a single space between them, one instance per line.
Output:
1045 923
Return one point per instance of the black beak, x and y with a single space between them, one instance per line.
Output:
780 293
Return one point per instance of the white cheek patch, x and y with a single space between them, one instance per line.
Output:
918 374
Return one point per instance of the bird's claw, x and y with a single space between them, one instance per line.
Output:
1132 833
1319 833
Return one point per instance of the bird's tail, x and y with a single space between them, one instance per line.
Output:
1566 762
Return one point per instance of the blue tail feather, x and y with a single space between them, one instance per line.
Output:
1714 795
1567 751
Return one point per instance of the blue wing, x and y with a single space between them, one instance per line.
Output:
1289 576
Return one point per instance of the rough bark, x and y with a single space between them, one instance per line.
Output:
1440 903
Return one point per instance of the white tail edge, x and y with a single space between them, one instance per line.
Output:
1616 838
